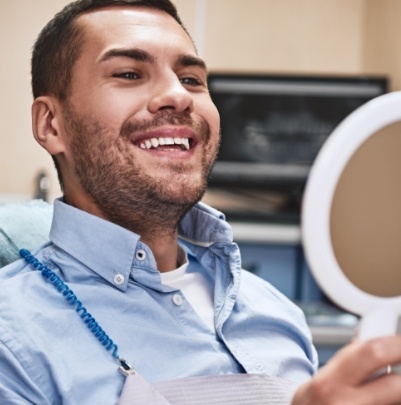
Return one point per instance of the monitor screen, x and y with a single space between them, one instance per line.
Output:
272 129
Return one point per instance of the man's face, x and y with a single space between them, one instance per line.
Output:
141 127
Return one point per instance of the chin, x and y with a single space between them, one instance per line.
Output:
188 194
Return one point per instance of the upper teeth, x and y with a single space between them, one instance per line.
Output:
155 142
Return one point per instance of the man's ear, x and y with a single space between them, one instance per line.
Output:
46 124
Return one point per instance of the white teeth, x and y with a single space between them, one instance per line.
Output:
185 142
155 142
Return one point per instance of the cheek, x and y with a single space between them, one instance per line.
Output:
214 119
215 126
208 111
109 106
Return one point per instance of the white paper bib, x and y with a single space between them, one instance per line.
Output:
238 389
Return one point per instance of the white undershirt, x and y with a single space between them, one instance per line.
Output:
195 289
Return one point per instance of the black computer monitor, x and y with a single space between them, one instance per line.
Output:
272 129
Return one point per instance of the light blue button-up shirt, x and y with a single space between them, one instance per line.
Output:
49 356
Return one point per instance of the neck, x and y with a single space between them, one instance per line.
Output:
165 251
161 236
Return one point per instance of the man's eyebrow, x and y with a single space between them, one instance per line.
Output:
190 60
133 53
141 55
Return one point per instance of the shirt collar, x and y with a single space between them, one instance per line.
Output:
203 225
102 246
110 250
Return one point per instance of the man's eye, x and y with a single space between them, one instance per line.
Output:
127 75
191 81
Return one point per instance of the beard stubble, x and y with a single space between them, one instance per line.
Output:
120 187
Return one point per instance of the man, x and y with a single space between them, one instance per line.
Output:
122 105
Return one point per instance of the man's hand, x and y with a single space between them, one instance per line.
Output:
347 378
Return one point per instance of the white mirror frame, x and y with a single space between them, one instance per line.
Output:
379 314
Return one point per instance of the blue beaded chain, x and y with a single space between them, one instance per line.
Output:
88 319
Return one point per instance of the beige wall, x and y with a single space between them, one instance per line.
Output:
292 36
286 36
20 157
382 44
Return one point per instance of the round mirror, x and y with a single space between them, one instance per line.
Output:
365 222
351 215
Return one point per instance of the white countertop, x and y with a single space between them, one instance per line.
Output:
331 335
266 233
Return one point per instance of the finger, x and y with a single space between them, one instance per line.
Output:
383 390
358 361
322 390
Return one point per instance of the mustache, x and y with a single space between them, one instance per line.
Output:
165 118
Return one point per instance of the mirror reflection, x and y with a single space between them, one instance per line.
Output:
365 222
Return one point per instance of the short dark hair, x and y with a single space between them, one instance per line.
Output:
60 43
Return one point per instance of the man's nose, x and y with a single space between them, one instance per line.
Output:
170 94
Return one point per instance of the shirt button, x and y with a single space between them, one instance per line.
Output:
119 279
140 255
177 299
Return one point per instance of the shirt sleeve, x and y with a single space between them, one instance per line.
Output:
16 386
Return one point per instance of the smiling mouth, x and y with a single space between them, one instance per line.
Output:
167 143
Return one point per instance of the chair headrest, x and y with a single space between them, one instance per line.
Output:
23 225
